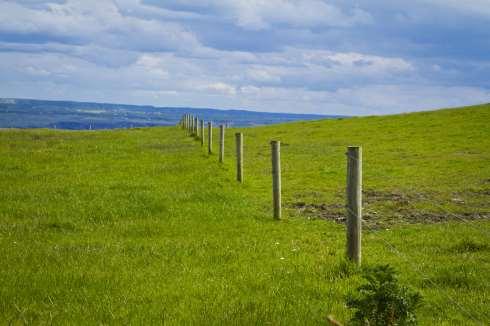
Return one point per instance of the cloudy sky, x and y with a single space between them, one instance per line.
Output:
311 56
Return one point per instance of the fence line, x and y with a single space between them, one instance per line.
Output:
276 178
210 137
239 156
221 143
354 203
202 132
353 196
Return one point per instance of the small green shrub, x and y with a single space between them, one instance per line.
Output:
382 300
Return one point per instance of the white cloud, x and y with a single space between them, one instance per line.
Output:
382 99
89 52
263 75
478 7
365 100
152 65
221 88
262 81
139 9
369 62
95 22
261 14
36 71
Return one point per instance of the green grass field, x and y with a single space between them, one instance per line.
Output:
141 226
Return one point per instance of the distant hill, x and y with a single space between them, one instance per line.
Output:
26 113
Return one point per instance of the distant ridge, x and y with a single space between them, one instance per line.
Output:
31 113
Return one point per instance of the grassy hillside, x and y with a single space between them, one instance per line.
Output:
142 226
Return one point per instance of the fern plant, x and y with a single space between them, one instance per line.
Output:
382 300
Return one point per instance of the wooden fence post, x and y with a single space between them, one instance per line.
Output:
354 203
210 137
202 133
221 143
192 126
276 178
239 156
196 127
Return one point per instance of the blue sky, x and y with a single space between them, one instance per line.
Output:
310 56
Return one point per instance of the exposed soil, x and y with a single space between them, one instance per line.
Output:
399 211
370 196
335 212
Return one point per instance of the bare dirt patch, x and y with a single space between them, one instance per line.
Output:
334 212
397 209
373 196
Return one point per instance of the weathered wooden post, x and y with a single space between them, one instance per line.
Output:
354 203
210 137
191 130
276 178
239 156
221 143
202 133
196 126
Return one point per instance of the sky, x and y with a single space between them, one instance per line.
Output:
307 56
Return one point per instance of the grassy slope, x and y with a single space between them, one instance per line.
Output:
142 225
